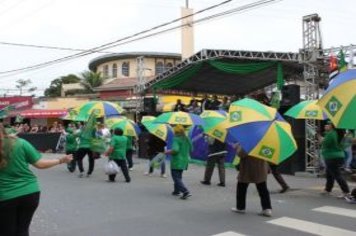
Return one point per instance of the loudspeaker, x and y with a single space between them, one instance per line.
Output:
290 95
149 106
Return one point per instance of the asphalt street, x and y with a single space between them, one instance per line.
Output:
91 206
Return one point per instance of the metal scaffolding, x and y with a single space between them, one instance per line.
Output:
141 81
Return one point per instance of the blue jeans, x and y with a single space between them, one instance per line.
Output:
179 186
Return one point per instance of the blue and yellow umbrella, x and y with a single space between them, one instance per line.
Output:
162 131
266 137
306 110
129 127
105 109
215 124
339 100
179 118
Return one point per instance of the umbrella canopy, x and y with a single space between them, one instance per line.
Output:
212 118
306 110
179 118
106 109
265 137
339 100
162 131
147 118
129 127
109 122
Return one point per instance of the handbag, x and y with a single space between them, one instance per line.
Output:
111 168
157 160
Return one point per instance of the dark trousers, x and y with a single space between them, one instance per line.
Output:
333 173
179 186
122 164
277 175
73 163
80 154
16 214
129 153
210 164
241 192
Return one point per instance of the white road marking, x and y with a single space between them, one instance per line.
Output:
337 211
228 233
310 227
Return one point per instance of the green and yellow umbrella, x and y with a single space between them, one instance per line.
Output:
109 122
179 118
213 124
161 131
266 137
147 119
339 100
306 110
106 109
129 127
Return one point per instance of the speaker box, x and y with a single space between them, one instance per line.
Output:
290 95
149 106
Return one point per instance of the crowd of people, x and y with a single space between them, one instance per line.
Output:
56 127
20 193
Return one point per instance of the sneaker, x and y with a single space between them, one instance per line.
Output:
80 175
241 211
221 184
343 195
131 169
186 195
350 199
148 174
266 212
205 182
88 175
175 193
163 176
283 190
348 170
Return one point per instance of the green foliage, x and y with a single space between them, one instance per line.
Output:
91 80
55 87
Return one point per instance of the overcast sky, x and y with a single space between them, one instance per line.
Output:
85 24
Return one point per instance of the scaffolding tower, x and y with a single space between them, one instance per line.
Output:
140 87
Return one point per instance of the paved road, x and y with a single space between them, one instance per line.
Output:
90 206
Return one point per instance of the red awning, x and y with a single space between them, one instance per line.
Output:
40 113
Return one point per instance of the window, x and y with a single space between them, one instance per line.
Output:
169 66
125 70
159 68
106 71
114 70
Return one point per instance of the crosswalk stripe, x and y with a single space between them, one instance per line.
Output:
228 233
337 211
310 227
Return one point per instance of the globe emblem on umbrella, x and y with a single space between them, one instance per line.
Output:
217 133
159 133
311 113
235 116
267 152
181 120
333 106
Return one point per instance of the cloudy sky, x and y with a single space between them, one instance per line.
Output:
84 24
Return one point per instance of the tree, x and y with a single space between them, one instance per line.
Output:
55 87
22 84
91 80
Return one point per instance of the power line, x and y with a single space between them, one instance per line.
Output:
119 42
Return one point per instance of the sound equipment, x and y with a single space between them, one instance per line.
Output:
290 95
149 106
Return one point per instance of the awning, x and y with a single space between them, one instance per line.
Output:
40 113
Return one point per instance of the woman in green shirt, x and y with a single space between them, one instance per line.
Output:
180 152
19 190
333 154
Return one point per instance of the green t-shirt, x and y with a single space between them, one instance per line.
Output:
71 143
119 145
129 142
182 148
16 179
330 148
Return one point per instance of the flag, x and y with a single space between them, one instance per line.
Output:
342 64
89 127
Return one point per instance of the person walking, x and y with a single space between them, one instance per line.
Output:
333 153
180 152
129 152
71 148
252 170
19 189
217 153
279 178
155 145
117 153
83 150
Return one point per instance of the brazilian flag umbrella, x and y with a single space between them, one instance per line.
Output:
306 110
162 131
339 100
179 118
109 122
129 127
214 124
261 131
